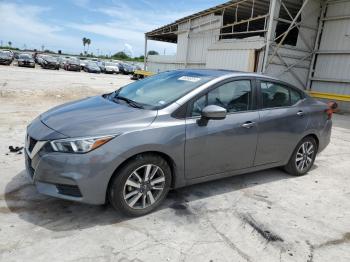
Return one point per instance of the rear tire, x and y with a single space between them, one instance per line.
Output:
139 194
303 157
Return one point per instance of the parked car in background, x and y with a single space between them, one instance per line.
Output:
16 54
135 67
111 68
62 61
38 58
25 60
92 67
72 64
170 130
50 62
6 58
83 63
125 68
101 65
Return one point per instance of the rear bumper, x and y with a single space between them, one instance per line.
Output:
325 136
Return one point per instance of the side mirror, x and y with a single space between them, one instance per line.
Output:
211 112
214 112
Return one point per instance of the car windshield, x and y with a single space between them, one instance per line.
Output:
93 65
74 61
158 91
109 64
25 56
4 55
50 59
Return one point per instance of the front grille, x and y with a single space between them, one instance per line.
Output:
31 143
69 190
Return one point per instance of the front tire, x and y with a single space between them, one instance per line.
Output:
303 157
141 185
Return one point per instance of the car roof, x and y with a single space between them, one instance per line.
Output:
224 72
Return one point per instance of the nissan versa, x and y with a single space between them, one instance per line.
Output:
170 130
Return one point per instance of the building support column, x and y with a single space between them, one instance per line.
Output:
145 55
188 42
274 11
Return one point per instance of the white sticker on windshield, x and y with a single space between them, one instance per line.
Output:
161 102
189 78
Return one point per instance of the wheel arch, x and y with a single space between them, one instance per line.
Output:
314 136
170 161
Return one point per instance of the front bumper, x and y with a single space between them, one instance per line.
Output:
26 64
73 67
50 66
78 177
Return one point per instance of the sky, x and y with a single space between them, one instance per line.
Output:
112 25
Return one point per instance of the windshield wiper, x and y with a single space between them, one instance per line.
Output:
129 101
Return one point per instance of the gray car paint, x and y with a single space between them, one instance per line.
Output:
96 116
196 154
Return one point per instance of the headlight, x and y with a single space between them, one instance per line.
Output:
79 145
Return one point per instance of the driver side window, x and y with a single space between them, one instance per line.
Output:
234 96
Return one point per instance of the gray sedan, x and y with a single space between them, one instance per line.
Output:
174 129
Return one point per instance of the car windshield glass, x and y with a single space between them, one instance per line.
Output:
24 57
162 89
50 59
92 65
74 61
4 55
109 64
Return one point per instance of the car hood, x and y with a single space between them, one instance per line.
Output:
96 116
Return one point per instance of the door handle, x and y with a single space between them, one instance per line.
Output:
300 113
248 124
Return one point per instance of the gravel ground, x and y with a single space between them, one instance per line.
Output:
262 216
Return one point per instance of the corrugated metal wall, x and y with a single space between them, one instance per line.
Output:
193 44
159 63
332 69
234 54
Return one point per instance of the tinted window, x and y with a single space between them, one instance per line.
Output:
235 96
274 95
295 96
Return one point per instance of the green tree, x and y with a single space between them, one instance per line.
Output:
10 43
88 42
120 55
152 52
84 42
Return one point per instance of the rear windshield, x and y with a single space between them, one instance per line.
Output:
158 91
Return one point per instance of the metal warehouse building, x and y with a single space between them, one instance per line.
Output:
306 43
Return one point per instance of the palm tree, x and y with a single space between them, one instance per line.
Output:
10 43
88 42
84 42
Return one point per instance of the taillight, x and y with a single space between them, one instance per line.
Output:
332 106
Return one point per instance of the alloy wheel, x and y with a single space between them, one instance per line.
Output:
144 186
304 156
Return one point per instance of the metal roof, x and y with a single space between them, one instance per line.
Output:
168 33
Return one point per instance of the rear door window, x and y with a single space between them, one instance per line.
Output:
295 96
274 95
